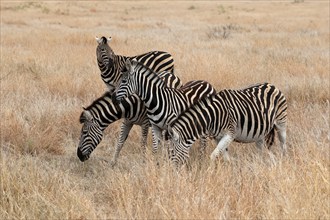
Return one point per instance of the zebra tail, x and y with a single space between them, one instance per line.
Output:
270 138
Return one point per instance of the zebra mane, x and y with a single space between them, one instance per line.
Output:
136 62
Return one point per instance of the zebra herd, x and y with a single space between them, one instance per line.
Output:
143 90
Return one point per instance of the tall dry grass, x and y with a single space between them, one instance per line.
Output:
49 71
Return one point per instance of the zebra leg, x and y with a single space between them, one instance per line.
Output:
124 131
281 131
203 143
222 147
156 137
144 131
260 144
180 153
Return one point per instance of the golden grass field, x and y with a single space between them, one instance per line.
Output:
49 72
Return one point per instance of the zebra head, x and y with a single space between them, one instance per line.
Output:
178 151
104 53
126 86
91 135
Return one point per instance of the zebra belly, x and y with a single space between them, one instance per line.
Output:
244 136
245 140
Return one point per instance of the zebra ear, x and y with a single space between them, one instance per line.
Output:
85 116
174 135
134 61
128 66
128 62
98 40
109 39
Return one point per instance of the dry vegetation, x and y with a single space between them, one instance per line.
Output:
49 71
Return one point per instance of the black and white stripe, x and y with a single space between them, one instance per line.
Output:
163 103
248 115
103 111
111 64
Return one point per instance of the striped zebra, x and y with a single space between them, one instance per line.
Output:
103 111
111 64
248 115
163 103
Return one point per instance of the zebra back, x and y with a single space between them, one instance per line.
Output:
196 90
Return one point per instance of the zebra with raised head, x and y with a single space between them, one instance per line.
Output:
163 103
111 64
103 111
247 115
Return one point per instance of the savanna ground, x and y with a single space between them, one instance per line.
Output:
49 71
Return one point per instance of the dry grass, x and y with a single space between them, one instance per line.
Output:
49 71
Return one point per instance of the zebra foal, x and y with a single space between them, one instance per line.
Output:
111 64
248 115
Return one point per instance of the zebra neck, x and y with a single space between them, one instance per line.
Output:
114 66
159 99
151 89
215 120
131 108
105 112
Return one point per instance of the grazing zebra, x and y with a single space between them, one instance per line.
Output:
248 115
103 111
111 64
163 103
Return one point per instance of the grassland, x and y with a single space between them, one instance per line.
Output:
49 71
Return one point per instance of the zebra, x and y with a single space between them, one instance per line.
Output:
111 64
163 103
103 111
247 115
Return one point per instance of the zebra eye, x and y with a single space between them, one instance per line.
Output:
84 130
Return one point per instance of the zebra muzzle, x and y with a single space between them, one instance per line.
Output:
81 156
